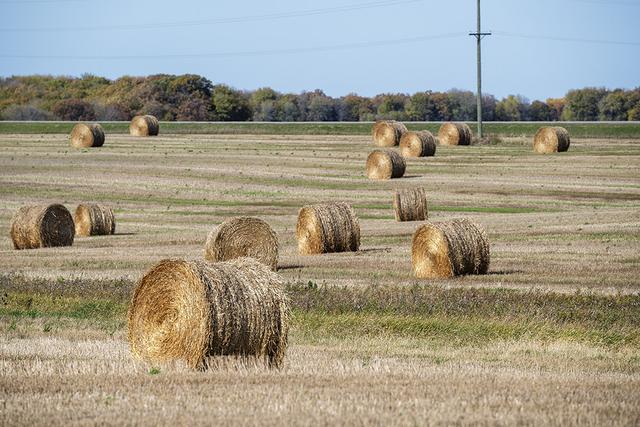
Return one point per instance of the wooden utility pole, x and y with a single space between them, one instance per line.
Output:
479 36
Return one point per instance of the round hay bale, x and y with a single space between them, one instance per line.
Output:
94 220
387 133
192 310
144 126
385 164
85 135
551 140
455 134
243 237
410 205
42 226
448 249
418 144
326 228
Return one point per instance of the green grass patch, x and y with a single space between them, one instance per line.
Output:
492 129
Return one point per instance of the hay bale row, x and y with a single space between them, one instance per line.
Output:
191 310
325 228
84 135
385 164
42 226
410 205
418 144
146 125
243 237
551 140
455 134
94 220
387 133
447 249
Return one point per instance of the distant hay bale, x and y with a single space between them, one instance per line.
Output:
418 144
94 220
325 228
243 237
551 140
385 164
387 133
42 226
448 249
455 134
85 135
192 310
410 205
144 126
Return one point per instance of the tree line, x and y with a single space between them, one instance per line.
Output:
191 97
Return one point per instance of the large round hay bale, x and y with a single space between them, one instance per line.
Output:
551 140
243 237
448 249
410 205
387 133
42 226
385 164
418 144
85 135
192 310
325 228
144 126
94 220
455 134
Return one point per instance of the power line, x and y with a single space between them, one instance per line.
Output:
565 39
250 53
212 21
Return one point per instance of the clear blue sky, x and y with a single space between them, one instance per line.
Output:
524 56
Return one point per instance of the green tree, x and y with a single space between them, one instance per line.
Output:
582 104
228 104
616 105
539 112
511 108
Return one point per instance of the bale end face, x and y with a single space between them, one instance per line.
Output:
191 311
243 237
385 164
551 140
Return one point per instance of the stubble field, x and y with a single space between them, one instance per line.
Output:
550 336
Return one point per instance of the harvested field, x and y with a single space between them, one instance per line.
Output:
368 341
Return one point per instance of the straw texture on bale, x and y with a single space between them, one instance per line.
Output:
94 220
326 228
551 140
85 135
192 310
455 134
385 164
418 144
42 226
387 133
144 126
243 237
448 249
410 205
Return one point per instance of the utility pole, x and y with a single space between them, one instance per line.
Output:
479 35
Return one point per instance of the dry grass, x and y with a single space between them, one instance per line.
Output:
370 344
